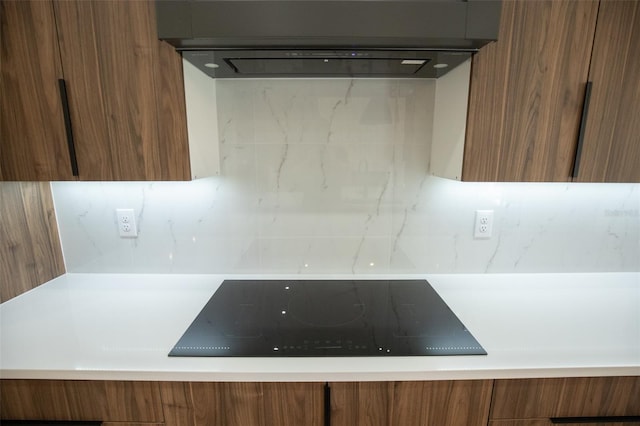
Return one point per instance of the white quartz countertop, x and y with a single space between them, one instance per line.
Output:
122 326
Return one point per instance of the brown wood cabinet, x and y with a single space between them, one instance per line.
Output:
124 90
528 91
611 147
171 403
534 401
242 404
452 403
116 401
516 402
33 141
30 253
256 404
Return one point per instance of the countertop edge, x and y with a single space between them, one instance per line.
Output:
200 376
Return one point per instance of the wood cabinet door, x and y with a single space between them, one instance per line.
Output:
115 401
566 397
611 147
125 92
527 91
33 140
243 404
451 403
30 253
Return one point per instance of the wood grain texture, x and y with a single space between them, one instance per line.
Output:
80 400
125 89
362 403
566 397
171 111
242 404
611 150
527 91
130 424
177 402
452 403
547 422
33 141
30 253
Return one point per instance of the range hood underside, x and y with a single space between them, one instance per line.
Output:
324 63
315 38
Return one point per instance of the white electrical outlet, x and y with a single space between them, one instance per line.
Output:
484 224
127 223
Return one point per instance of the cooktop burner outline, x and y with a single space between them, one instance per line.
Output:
316 306
298 318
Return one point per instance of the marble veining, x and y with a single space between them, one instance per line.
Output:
332 176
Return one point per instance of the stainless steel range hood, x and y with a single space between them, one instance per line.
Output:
315 38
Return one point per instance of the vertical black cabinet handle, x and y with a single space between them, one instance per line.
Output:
67 125
327 405
583 125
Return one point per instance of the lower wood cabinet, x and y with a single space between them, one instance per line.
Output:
599 401
575 401
114 401
451 403
243 404
464 403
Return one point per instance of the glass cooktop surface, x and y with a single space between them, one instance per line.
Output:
326 318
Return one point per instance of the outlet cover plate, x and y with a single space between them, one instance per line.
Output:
127 223
483 227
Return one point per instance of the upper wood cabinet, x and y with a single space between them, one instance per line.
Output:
611 147
33 142
528 91
124 90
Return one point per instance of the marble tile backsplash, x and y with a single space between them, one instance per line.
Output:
332 176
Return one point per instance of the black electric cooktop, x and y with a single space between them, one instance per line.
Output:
326 318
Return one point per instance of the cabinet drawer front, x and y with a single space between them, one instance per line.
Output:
566 397
242 403
80 400
450 403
